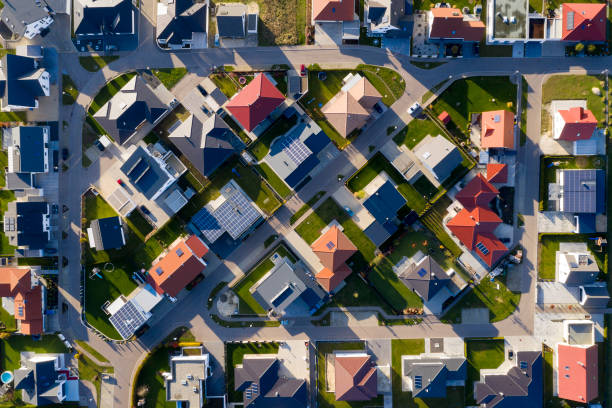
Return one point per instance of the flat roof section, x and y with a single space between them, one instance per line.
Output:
510 20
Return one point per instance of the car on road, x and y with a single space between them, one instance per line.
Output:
415 109
303 70
65 154
378 109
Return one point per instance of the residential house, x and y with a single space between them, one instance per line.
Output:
28 156
22 287
584 22
355 377
259 380
231 20
27 226
333 11
573 124
384 16
255 102
135 105
106 233
182 24
475 224
577 362
383 204
425 277
206 144
497 173
595 295
521 385
579 191
497 130
333 249
28 18
127 315
439 155
576 268
352 107
43 379
173 270
288 290
213 97
450 24
186 382
294 155
22 82
232 213
103 18
429 377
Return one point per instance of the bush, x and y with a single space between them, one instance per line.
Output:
579 47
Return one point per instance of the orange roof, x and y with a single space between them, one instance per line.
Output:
450 23
196 245
579 124
584 22
176 269
477 193
345 113
333 249
333 10
13 280
17 283
497 173
466 225
497 129
577 372
444 117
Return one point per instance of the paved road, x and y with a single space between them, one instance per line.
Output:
192 310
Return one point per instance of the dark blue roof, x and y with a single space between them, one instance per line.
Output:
317 142
108 20
32 148
144 172
230 26
376 13
385 203
302 170
19 87
110 232
30 230
584 191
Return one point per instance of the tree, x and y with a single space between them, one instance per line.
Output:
579 47
591 48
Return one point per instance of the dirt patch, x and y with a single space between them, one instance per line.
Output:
278 22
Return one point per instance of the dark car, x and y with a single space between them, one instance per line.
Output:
145 210
202 90
64 154
378 108
44 32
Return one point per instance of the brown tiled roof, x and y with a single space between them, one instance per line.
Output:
17 283
497 129
345 113
450 23
355 378
333 10
333 249
364 92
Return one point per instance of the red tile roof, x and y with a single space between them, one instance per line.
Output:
497 173
477 193
584 22
196 245
333 10
255 102
489 248
579 124
449 23
17 283
577 372
466 225
444 117
355 378
175 270
497 129
333 249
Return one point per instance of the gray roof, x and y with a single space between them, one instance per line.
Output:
206 145
430 375
582 268
29 146
426 278
37 381
520 386
20 83
595 295
583 190
438 155
145 173
108 233
231 20
106 17
135 104
16 14
184 18
18 181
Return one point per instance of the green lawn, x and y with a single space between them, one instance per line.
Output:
96 63
433 221
261 146
398 295
69 90
275 182
389 83
328 399
149 373
8 320
248 305
170 76
234 354
373 167
548 374
92 351
310 230
108 90
248 179
139 224
14 116
559 87
550 164
90 371
307 206
228 86
481 354
416 131
13 345
6 196
549 245
355 293
474 95
500 302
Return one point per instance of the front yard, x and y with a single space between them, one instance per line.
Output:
549 245
378 163
234 354
6 196
96 63
481 354
416 131
109 90
474 95
13 345
169 77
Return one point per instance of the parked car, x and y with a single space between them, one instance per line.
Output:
303 70
415 109
510 355
202 90
64 154
378 109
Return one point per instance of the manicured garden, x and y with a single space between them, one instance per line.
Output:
169 77
386 282
481 354
416 131
433 220
96 63
234 354
226 84
549 245
13 345
377 164
273 180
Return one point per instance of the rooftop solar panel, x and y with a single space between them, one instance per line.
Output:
127 320
295 148
422 272
482 248
208 225
580 191
330 245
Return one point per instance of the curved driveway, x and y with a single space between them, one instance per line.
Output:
192 311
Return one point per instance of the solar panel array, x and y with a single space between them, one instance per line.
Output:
418 382
208 224
127 320
422 272
482 248
580 191
295 148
